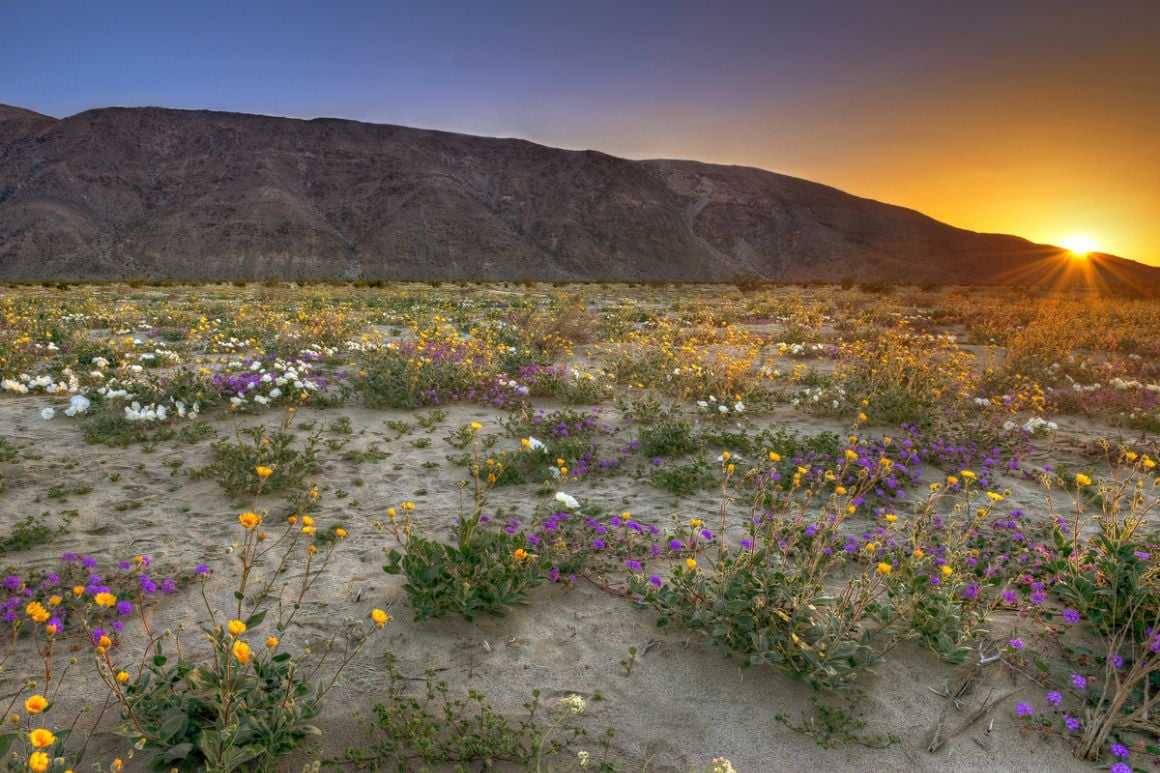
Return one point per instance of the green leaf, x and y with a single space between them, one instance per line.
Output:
5 742
160 660
256 618
281 658
239 595
172 727
178 752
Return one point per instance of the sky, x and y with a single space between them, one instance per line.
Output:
1040 119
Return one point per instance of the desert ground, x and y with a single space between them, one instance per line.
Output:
776 473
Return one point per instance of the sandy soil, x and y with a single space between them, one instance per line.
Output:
682 705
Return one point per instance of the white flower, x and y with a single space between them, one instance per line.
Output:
574 703
723 409
739 407
536 445
47 413
582 757
78 404
567 500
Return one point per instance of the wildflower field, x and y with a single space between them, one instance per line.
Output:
599 527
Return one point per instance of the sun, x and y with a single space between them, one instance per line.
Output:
1081 246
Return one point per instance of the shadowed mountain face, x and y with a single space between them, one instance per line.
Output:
152 193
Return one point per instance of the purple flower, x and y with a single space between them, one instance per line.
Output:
1072 722
1079 682
554 574
1119 750
1053 698
1142 555
1071 616
12 582
69 557
1016 644
655 580
1038 597
633 565
168 585
598 544
1120 767
1009 597
202 569
124 608
1024 710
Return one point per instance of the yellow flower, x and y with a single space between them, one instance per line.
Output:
968 474
774 457
249 520
946 570
918 553
691 563
236 627
475 425
272 642
78 590
105 599
994 496
122 677
37 612
520 554
861 417
952 480
1082 480
380 617
241 651
307 520
1149 463
884 568
38 762
840 491
36 704
104 643
263 472
340 532
696 523
890 517
54 601
309 529
41 738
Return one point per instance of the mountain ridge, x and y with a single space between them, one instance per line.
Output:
124 192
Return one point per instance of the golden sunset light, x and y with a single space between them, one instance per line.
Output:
1081 246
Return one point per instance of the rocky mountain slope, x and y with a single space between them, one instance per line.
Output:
183 194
